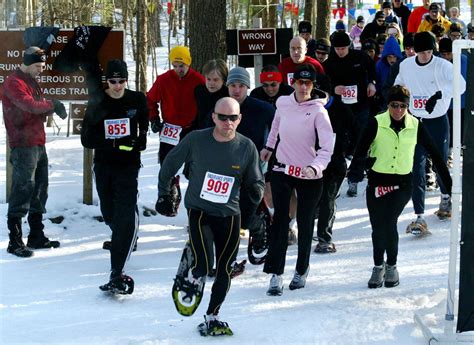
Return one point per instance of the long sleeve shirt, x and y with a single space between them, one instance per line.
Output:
305 132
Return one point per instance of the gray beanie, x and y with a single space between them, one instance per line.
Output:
238 75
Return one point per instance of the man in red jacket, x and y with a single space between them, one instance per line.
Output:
297 57
173 93
417 16
24 111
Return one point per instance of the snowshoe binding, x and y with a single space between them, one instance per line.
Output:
119 285
257 246
212 326
418 228
445 207
238 268
187 291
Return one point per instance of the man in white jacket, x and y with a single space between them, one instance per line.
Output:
430 81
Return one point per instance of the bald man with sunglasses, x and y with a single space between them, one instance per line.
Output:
221 163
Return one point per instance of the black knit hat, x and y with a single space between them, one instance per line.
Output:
360 19
445 45
387 4
116 69
323 44
424 40
340 39
409 40
379 14
304 26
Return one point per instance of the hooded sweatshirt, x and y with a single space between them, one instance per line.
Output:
305 132
382 68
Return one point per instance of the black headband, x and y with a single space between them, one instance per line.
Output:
29 59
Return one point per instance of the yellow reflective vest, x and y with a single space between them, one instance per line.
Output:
394 153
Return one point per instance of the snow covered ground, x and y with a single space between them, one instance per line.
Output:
53 297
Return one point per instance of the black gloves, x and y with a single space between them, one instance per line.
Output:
165 206
431 102
157 125
59 109
133 144
140 143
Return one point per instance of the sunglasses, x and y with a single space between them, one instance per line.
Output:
302 82
269 85
224 117
115 81
395 105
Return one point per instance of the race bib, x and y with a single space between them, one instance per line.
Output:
290 78
349 95
294 171
117 128
419 102
170 134
216 188
383 190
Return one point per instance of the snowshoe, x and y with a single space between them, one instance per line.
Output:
175 194
325 248
187 291
257 246
41 242
148 212
187 295
121 285
418 228
212 326
238 268
445 207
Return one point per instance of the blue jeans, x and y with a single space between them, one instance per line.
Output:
439 131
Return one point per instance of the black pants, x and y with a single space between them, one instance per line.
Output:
332 180
308 193
226 236
384 212
29 181
118 193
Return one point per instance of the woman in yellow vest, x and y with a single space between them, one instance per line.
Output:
390 141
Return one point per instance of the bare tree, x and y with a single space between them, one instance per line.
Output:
273 14
323 18
451 3
207 31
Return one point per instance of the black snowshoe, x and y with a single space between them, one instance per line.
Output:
258 247
119 285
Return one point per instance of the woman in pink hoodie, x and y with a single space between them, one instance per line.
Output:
305 146
356 31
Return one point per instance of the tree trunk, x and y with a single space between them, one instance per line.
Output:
351 4
207 31
323 19
273 14
308 9
451 3
142 45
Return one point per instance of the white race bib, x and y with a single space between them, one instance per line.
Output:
117 128
383 190
289 77
349 95
170 134
294 171
419 102
216 188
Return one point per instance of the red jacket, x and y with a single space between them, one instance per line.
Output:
176 97
24 110
415 19
288 66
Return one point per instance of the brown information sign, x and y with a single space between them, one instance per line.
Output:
60 86
78 111
256 41
76 126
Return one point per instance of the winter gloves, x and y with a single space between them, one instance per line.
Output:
157 125
59 109
165 206
431 102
